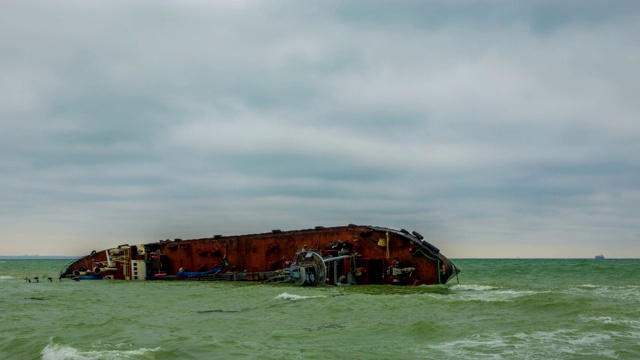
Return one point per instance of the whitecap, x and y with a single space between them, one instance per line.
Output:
590 286
287 296
537 344
465 348
498 296
6 277
609 320
472 287
589 339
570 341
628 292
59 352
488 293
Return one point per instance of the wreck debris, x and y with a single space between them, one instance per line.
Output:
344 255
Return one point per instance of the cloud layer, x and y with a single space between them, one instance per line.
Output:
495 129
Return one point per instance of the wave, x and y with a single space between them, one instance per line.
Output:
287 296
537 344
589 286
6 277
473 287
60 352
476 292
623 293
635 324
479 292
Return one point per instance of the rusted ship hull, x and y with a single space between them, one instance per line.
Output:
352 254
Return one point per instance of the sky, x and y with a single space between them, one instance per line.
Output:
495 129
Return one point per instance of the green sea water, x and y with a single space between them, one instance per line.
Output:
501 309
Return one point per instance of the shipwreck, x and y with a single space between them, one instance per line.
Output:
343 255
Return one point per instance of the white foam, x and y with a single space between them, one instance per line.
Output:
628 292
537 344
498 296
287 296
591 286
472 287
60 352
487 293
608 320
589 339
6 277
468 348
570 341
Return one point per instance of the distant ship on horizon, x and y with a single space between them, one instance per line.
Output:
600 256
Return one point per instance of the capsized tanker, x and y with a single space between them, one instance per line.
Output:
343 255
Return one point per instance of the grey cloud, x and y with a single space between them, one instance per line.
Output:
504 124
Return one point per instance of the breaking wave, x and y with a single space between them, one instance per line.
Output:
634 324
6 277
287 296
60 352
563 341
589 286
472 287
626 292
475 292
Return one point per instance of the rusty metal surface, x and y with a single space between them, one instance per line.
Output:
407 260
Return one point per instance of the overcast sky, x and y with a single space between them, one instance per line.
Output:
495 129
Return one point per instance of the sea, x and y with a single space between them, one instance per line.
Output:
495 309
